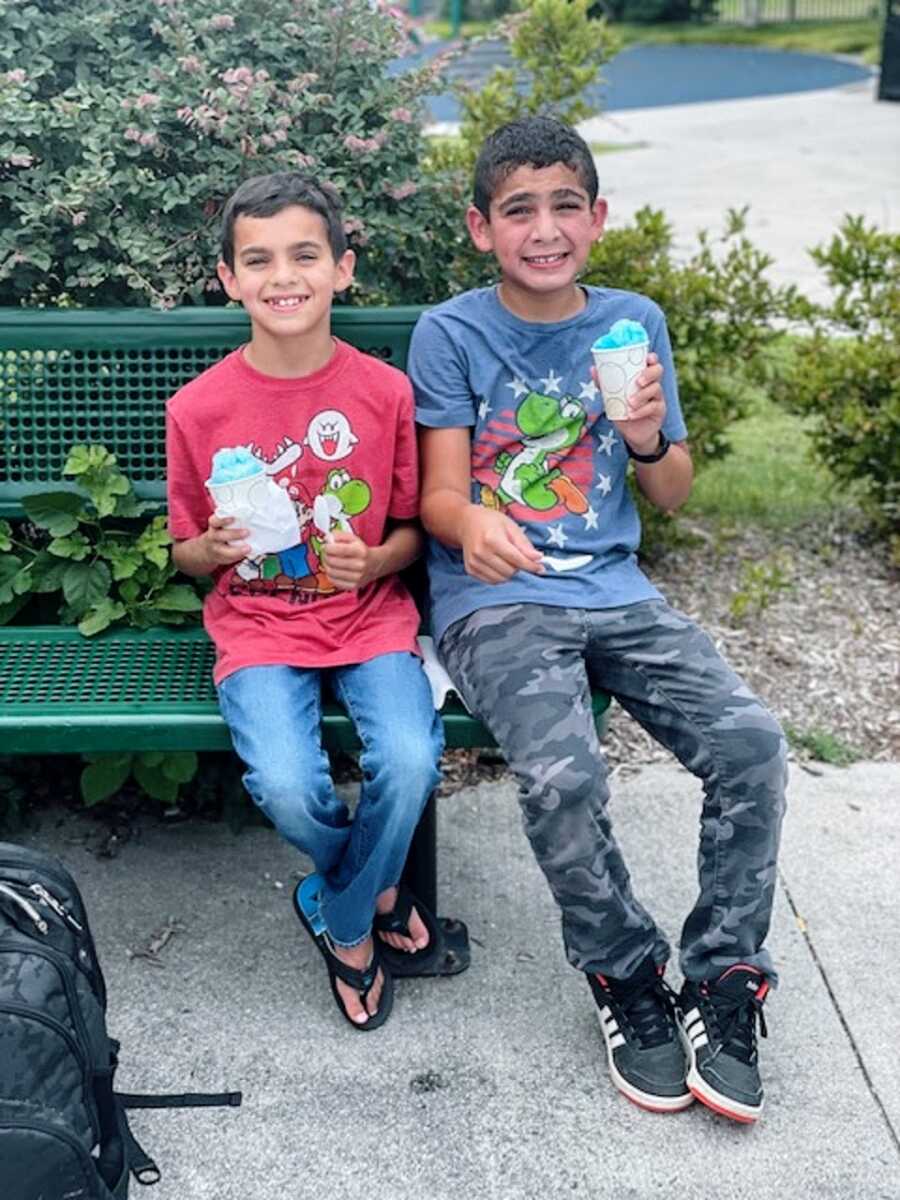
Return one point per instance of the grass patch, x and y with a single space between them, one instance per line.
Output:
614 147
770 479
859 37
822 746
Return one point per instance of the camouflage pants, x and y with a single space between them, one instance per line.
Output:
526 670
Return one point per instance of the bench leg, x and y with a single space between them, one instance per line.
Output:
420 876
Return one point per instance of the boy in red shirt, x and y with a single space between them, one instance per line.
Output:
333 428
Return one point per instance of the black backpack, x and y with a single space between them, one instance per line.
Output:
64 1132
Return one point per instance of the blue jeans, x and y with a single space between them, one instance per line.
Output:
275 714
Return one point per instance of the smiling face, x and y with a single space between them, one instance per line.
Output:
541 228
285 276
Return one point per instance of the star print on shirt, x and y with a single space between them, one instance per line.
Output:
518 387
604 485
590 519
551 383
588 391
605 443
556 536
484 409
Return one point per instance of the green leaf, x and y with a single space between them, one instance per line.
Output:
75 547
47 572
103 778
9 609
154 543
10 566
101 616
179 597
155 783
5 536
54 511
124 560
87 458
86 584
180 767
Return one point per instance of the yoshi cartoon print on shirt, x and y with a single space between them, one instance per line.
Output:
542 462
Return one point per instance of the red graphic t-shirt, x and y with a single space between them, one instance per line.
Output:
341 443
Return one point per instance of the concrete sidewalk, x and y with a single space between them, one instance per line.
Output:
493 1084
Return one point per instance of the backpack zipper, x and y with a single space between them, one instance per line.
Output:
27 907
58 907
64 878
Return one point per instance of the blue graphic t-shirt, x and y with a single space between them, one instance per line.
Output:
542 450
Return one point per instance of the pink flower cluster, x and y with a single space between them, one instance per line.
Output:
358 145
402 191
16 76
20 160
403 115
222 21
143 138
191 64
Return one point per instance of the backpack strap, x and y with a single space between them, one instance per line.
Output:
180 1100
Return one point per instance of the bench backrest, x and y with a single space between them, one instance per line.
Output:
104 375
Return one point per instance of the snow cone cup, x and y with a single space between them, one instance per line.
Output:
618 369
260 506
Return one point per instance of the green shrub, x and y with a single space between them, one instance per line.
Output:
846 375
125 126
90 554
557 51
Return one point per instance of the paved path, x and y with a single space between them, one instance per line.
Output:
646 76
493 1085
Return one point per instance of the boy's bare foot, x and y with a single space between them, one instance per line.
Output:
359 958
418 931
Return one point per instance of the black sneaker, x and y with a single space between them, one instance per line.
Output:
637 1017
718 1019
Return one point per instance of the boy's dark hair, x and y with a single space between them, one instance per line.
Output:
534 142
266 195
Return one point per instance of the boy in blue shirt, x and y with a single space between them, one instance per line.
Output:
537 596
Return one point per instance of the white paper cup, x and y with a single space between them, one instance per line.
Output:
618 370
260 506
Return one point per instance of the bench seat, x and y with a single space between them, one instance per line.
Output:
62 693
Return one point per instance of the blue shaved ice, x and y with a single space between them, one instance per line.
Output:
233 463
622 333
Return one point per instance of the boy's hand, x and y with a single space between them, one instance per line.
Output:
225 543
494 547
349 562
647 408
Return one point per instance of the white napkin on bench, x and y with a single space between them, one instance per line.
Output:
441 683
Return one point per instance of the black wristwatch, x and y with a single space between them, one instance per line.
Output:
660 452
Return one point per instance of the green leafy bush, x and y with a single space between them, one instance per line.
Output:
557 51
87 548
124 127
846 375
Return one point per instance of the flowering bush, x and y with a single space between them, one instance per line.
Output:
124 128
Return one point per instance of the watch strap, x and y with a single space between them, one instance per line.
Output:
660 451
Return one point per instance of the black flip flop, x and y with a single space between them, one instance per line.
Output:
418 962
306 906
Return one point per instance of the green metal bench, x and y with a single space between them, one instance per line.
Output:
70 376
